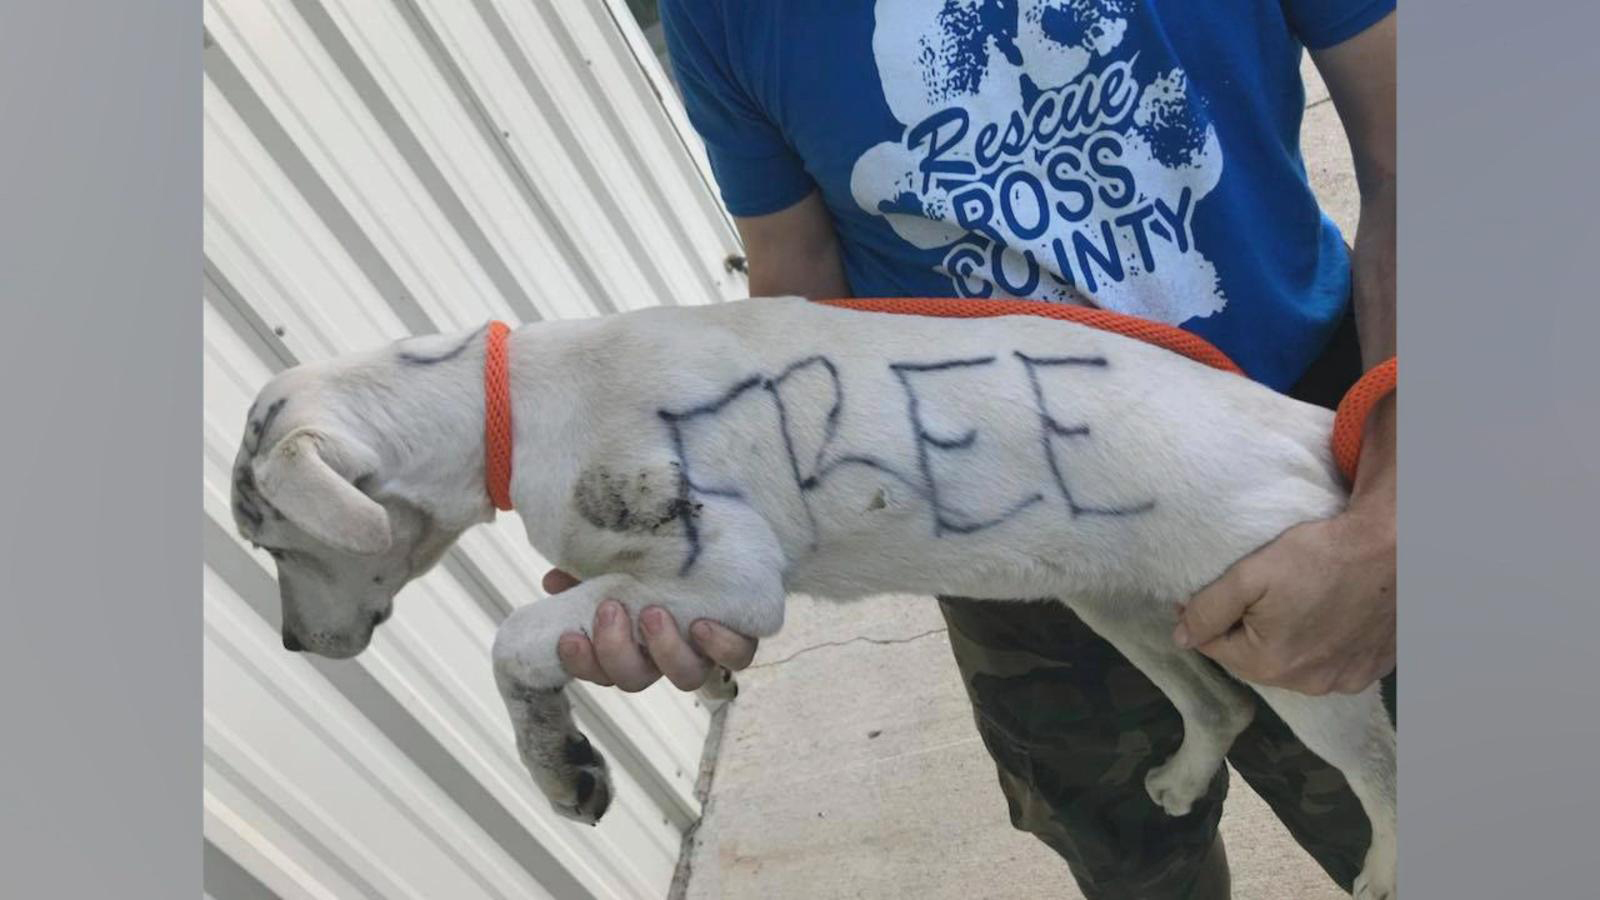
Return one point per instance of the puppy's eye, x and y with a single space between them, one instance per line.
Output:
275 553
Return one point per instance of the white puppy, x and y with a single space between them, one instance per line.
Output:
711 460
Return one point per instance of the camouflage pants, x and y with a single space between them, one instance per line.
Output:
1073 727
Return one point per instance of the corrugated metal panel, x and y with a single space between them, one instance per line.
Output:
379 168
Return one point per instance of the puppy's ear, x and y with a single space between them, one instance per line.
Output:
296 478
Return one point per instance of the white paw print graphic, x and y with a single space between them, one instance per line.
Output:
1034 156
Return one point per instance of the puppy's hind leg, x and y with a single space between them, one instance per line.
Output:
1352 732
1214 709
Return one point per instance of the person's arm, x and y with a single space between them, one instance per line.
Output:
1314 611
1360 75
793 251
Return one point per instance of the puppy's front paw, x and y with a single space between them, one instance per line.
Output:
577 784
591 796
1175 787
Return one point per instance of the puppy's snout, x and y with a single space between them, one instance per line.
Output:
292 643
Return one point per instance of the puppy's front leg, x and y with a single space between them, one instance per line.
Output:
736 580
565 766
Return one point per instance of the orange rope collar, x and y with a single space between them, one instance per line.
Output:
1349 423
497 416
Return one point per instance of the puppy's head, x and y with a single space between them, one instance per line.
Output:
309 491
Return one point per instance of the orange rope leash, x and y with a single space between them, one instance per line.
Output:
497 416
1177 340
1349 423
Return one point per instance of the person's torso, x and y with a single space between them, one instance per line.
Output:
1140 155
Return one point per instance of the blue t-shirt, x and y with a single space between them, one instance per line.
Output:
1139 155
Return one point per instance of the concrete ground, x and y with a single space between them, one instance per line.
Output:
850 767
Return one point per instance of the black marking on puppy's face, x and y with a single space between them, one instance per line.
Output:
260 427
248 504
250 508
249 514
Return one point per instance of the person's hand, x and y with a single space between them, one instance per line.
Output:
614 658
1313 611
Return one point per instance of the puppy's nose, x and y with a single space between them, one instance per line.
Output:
291 643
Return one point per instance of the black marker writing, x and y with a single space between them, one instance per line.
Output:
416 359
945 519
1051 428
809 472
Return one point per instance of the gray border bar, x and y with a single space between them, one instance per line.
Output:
99 398
1500 484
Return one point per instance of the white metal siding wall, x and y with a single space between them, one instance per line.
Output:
378 168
